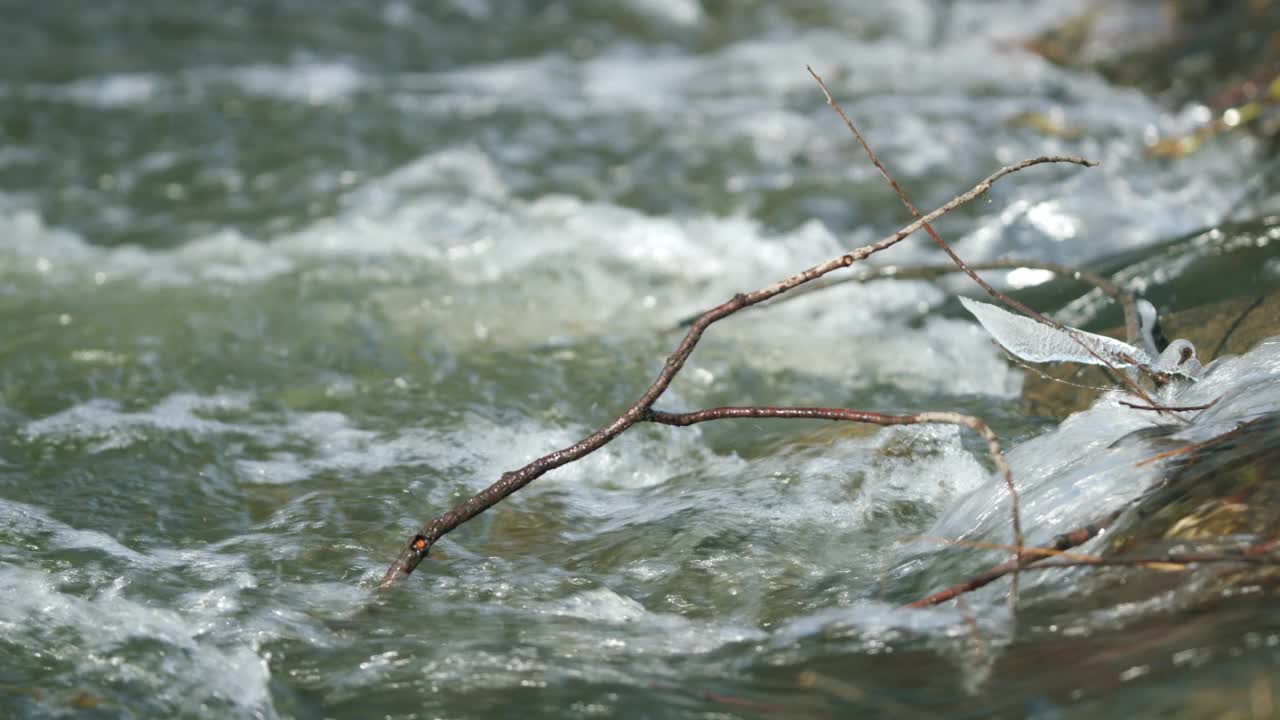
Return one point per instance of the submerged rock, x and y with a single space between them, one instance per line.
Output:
1217 491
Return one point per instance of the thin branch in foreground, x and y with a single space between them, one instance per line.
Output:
1124 298
882 705
992 291
1041 551
1162 561
1027 557
422 541
871 155
1192 447
1259 553
1170 408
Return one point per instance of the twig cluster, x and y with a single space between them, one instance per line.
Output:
643 411
640 410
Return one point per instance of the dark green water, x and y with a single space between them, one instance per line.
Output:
279 281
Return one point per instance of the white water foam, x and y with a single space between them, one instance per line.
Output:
90 633
310 82
1090 463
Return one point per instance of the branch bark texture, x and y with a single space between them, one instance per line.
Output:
421 542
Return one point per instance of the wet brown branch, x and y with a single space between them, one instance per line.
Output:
422 541
1259 553
882 705
1162 561
1027 557
1123 297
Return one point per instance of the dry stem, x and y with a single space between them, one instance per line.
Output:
1025 558
420 544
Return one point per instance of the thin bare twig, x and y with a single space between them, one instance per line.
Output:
1170 408
1259 553
1235 325
992 291
1049 378
1192 447
422 541
1124 298
1162 560
1026 558
1042 551
871 155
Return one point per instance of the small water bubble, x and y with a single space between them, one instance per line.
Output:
99 278
64 319
43 265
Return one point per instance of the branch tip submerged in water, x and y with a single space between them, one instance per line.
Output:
420 544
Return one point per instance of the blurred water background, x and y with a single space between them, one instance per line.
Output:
281 280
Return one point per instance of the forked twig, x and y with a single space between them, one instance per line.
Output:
992 291
1184 449
1026 557
422 541
1124 298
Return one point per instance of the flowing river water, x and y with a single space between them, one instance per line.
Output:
279 281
